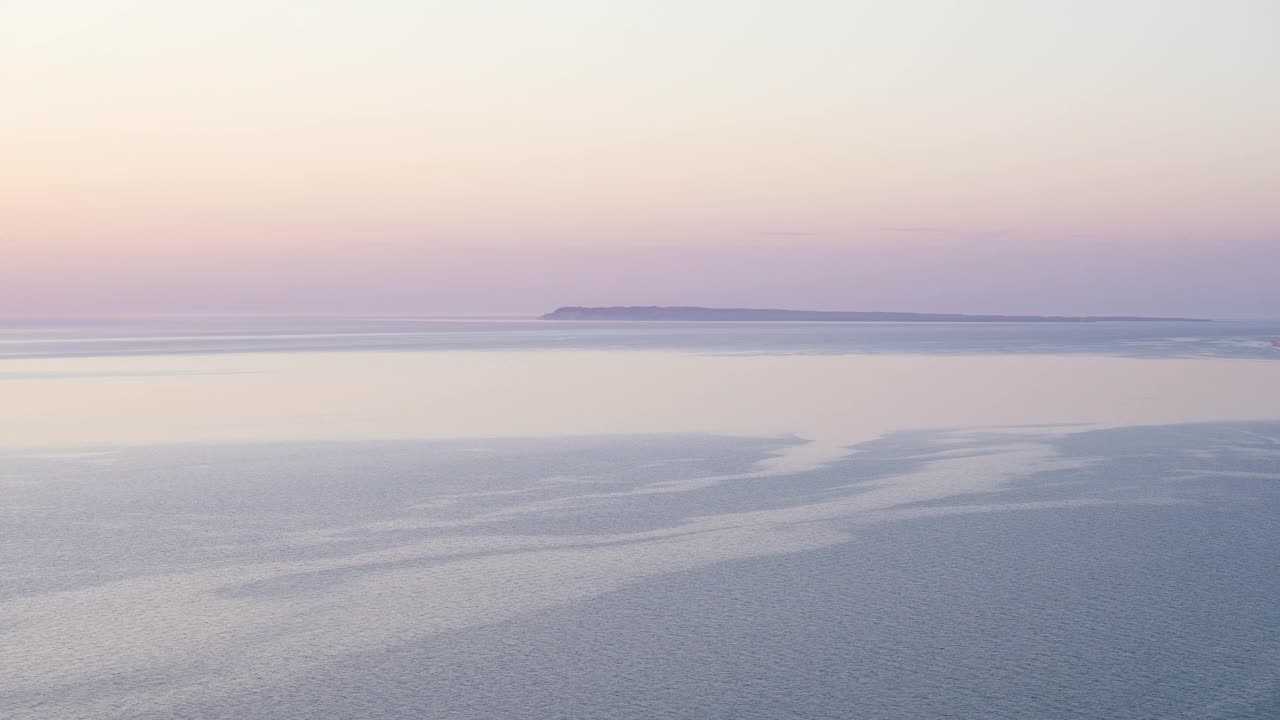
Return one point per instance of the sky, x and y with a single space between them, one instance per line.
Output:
510 156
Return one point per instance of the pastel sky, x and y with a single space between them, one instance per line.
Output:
1100 156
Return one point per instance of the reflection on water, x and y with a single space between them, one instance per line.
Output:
832 400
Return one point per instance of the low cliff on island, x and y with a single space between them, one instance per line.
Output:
748 314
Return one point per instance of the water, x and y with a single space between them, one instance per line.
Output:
121 336
652 521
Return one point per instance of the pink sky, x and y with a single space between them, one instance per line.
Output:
1224 280
504 156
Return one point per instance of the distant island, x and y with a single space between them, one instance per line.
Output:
748 314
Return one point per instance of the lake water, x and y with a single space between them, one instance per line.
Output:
402 518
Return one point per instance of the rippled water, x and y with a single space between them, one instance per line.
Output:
107 336
742 526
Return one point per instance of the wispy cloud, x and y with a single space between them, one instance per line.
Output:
789 233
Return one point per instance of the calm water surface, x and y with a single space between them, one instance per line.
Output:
393 518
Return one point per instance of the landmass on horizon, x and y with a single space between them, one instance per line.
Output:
649 312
